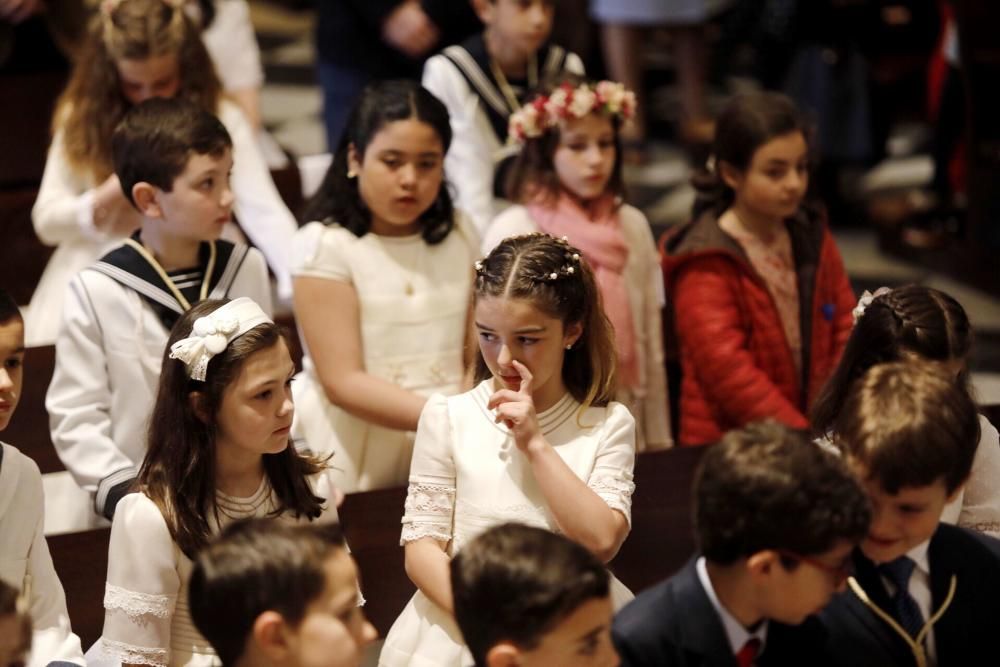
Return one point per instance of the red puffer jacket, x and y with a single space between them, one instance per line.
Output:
736 364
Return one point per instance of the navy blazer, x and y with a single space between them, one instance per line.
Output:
674 624
964 635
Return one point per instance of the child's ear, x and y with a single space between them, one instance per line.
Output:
269 635
196 400
730 175
504 654
763 562
353 161
958 489
484 10
573 333
146 201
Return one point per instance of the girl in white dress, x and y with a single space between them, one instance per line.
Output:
135 50
567 180
918 322
218 451
382 286
538 441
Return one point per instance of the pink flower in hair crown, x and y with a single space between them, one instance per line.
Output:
566 102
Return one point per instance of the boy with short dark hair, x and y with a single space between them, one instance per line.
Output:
776 519
924 592
25 562
270 594
173 160
483 81
526 596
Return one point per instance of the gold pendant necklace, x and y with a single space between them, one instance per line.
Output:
184 303
510 97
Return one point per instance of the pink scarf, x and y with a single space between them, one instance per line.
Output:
603 245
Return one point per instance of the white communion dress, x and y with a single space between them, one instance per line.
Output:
414 303
147 619
468 475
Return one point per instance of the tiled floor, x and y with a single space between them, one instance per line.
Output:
291 105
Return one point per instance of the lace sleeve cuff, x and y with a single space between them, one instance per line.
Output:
428 512
616 492
129 654
136 605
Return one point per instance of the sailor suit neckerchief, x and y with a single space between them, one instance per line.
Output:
135 267
489 83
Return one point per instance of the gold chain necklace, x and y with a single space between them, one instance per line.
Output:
508 92
185 304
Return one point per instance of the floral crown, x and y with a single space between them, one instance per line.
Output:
545 111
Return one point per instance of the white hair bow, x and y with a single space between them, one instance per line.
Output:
211 334
866 300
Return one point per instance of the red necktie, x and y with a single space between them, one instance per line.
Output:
748 653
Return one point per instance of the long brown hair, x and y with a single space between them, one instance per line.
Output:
552 275
93 104
178 473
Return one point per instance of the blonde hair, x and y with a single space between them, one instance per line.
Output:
93 104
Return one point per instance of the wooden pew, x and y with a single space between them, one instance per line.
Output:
81 561
29 427
661 540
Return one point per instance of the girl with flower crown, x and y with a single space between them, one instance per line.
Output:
761 301
567 181
136 49
539 440
219 450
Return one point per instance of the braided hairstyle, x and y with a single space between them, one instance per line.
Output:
551 275
909 322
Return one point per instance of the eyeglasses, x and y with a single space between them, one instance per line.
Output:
839 572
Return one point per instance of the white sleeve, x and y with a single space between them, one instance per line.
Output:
142 585
232 45
64 209
611 477
980 505
258 206
573 64
52 639
469 163
259 286
430 498
79 400
656 408
320 251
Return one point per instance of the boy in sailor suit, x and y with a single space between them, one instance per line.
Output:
923 592
173 161
25 562
482 82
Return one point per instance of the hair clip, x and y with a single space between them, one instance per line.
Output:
865 301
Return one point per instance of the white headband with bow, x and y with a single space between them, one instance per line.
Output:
211 334
865 301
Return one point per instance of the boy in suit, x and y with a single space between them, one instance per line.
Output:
924 592
776 518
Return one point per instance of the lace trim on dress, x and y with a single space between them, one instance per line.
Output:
130 654
430 499
989 527
136 605
616 492
412 533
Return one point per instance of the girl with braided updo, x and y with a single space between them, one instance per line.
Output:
539 440
914 322
136 50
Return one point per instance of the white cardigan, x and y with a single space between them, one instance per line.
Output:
25 562
644 281
63 217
